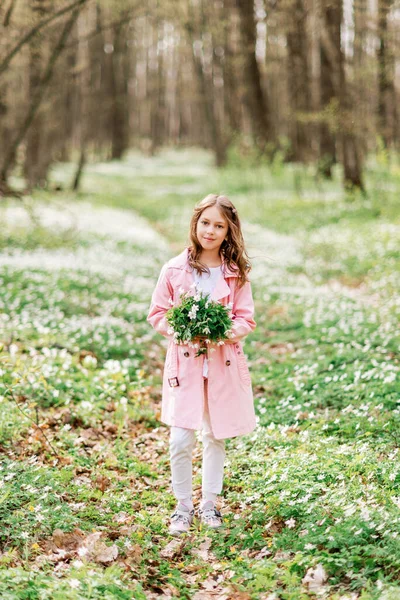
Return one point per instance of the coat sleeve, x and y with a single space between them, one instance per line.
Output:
242 312
160 303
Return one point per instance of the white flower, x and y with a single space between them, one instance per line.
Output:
74 583
291 523
77 564
221 343
193 312
170 331
82 551
89 362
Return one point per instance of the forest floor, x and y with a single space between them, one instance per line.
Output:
311 499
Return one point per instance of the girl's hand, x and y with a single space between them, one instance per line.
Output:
200 339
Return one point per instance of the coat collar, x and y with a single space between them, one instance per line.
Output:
221 290
181 262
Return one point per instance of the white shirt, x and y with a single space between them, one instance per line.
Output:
206 283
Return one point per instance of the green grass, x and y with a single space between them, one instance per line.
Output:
317 483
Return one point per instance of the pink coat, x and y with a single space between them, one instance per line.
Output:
230 395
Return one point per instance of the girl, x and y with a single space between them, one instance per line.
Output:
210 392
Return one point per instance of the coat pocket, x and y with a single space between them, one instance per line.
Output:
243 368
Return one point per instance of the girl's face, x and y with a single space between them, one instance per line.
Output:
212 228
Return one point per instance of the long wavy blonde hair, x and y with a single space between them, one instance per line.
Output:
233 251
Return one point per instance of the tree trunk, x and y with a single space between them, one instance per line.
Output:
205 83
330 31
119 120
387 112
299 79
37 147
345 123
232 100
350 143
255 97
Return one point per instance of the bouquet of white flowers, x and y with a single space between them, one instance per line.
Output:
199 318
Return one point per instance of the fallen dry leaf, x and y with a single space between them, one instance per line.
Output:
102 483
203 550
135 553
172 549
315 578
93 548
61 540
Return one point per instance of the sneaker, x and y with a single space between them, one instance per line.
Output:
210 516
181 521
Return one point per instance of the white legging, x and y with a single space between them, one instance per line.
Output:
181 446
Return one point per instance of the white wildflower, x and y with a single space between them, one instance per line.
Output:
77 564
291 523
89 362
193 312
74 583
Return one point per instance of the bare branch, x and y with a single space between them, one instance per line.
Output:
8 15
32 32
126 15
38 95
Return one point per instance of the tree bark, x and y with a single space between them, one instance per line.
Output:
335 62
119 120
299 79
230 64
387 112
329 82
37 144
206 93
255 96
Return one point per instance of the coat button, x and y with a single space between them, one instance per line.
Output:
228 362
237 345
186 354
